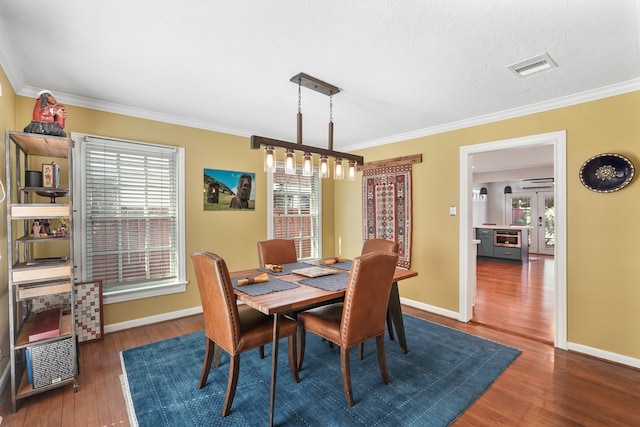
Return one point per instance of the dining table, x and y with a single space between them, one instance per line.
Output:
288 292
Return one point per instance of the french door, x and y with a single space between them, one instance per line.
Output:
536 211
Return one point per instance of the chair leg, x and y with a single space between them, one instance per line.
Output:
217 355
234 370
301 342
382 360
210 348
346 375
261 351
389 327
293 360
390 324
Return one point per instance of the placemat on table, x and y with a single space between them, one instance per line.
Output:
333 282
273 285
345 265
287 268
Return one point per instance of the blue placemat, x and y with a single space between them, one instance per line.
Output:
273 285
287 268
332 282
346 265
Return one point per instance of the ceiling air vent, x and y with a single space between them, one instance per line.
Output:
533 65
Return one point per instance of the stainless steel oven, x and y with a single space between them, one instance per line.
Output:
507 238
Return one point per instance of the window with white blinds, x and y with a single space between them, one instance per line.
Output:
294 211
131 207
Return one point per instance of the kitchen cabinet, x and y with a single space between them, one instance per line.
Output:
485 247
43 343
504 243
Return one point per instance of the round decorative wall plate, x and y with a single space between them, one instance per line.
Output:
606 173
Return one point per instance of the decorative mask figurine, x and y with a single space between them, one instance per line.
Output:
48 116
36 228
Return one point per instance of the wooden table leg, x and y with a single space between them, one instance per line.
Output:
396 316
274 366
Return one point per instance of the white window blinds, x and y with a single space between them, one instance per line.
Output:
295 212
130 210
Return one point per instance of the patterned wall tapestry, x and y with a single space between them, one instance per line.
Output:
386 207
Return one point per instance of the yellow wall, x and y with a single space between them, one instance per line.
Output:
603 290
232 235
226 233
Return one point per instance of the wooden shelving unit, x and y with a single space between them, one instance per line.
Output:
31 278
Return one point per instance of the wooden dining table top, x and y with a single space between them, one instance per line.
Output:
298 298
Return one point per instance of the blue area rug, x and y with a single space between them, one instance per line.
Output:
444 372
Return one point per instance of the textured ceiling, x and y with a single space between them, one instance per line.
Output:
404 67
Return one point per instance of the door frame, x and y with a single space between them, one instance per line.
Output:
467 248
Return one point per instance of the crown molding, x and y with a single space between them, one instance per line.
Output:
15 78
110 107
552 104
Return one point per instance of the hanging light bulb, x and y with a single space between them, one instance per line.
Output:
351 174
307 164
290 162
324 167
338 170
269 159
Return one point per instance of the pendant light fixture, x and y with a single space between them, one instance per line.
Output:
351 173
307 164
338 171
324 167
290 162
324 88
269 159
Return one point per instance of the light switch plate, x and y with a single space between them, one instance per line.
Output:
452 210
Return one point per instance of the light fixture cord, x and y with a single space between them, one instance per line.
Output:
331 108
299 96
331 121
299 117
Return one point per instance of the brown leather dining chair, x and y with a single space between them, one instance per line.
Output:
383 245
379 245
277 251
230 327
360 317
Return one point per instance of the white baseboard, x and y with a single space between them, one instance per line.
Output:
152 319
578 348
430 308
603 354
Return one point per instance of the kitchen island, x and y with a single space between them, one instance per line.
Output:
503 242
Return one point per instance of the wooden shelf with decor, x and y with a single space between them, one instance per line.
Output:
43 356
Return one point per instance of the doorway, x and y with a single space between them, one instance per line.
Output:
537 211
467 247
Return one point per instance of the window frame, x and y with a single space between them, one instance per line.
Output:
149 289
271 183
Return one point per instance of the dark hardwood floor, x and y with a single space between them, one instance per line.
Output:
518 298
543 387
